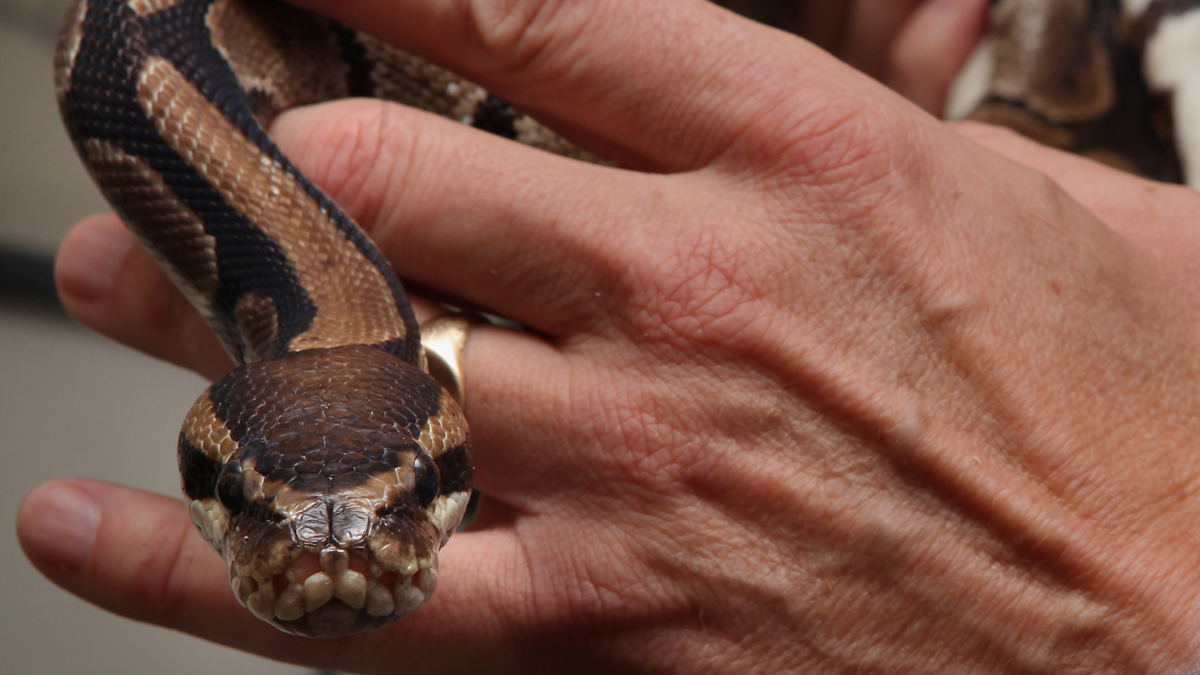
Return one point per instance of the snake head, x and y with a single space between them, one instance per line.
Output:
330 499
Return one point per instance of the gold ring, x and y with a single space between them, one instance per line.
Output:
444 338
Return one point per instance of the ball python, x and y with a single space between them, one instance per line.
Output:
1114 80
327 468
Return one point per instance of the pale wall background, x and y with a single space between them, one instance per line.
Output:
73 403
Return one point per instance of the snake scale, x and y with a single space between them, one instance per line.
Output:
328 467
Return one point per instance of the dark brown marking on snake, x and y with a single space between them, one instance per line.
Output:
197 470
496 116
1068 75
101 105
359 66
192 59
1062 72
456 469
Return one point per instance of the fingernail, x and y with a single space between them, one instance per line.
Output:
89 259
61 525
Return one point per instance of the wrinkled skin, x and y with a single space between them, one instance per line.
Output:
823 385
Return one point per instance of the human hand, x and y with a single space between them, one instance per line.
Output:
826 386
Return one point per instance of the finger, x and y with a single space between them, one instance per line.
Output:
137 554
500 226
518 393
675 82
932 48
109 283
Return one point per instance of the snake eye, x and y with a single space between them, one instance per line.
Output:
229 488
426 479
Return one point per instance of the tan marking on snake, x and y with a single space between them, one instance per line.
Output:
354 303
148 7
446 430
207 433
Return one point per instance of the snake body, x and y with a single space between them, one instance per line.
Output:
327 467
1114 80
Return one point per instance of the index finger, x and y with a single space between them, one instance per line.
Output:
628 74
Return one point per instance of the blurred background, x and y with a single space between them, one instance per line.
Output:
71 403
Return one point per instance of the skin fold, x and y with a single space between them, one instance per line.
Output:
816 384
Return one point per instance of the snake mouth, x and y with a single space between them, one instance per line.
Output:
334 593
320 572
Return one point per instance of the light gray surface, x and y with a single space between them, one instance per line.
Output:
43 187
73 403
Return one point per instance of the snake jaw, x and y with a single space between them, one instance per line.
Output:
290 575
334 593
327 566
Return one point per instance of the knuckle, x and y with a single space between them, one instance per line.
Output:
840 153
354 150
520 32
704 296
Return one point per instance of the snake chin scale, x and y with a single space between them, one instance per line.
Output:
210 519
